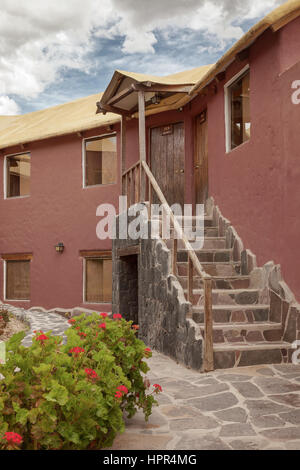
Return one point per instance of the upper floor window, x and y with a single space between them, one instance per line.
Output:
100 160
238 110
18 175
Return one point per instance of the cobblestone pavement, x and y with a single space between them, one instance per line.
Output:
250 408
37 320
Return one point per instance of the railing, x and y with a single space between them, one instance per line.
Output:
131 187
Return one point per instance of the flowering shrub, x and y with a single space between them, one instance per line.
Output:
73 396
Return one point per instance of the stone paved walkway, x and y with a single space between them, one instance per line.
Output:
37 320
250 408
247 409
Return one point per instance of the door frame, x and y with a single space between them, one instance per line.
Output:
203 111
163 124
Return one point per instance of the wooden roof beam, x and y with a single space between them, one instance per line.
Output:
105 108
161 88
120 96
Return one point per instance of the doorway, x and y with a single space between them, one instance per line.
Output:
201 159
167 161
128 285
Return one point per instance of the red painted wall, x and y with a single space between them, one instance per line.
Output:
257 185
58 209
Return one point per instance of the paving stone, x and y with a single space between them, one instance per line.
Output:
248 390
287 368
246 445
266 372
237 430
177 411
206 381
291 433
201 442
248 358
218 402
295 445
264 407
138 441
197 422
276 385
268 422
233 378
291 399
292 417
237 415
196 391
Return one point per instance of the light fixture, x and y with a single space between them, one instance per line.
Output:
155 99
59 247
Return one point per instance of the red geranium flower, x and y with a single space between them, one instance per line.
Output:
42 338
118 394
147 352
117 316
103 326
92 374
135 327
76 351
83 335
123 389
72 321
104 315
13 437
157 388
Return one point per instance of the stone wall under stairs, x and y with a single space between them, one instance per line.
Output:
256 317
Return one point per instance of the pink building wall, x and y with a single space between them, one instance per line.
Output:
58 210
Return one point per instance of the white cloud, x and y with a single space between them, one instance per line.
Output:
8 107
40 40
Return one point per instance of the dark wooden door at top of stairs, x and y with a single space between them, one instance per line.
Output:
201 159
167 161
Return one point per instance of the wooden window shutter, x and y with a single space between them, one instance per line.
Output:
17 280
98 281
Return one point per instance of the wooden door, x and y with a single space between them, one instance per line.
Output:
167 161
201 159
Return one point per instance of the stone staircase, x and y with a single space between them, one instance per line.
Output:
244 332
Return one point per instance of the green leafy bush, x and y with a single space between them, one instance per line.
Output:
73 396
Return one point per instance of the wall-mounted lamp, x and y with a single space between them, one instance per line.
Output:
156 99
59 247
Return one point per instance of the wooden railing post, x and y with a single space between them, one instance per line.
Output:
174 255
208 327
190 279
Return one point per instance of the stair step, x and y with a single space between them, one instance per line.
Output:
224 296
226 282
260 346
231 355
190 221
232 333
234 313
216 269
207 255
209 243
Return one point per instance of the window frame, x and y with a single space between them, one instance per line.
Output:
228 115
5 175
6 259
86 139
86 255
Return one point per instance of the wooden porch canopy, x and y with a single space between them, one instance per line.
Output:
160 93
137 95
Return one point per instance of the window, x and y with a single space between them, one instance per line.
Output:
100 161
238 111
18 175
98 280
17 279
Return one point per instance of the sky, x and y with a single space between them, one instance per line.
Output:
54 51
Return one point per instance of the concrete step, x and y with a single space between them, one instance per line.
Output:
246 332
234 313
242 354
226 296
215 269
227 282
207 256
209 243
